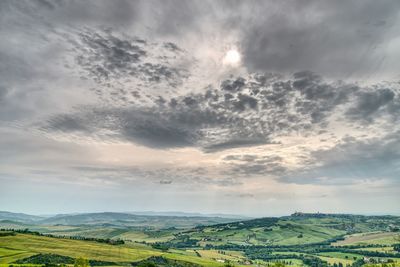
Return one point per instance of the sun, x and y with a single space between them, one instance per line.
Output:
232 57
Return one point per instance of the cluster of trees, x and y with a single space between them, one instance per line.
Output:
359 252
157 261
288 248
306 259
308 249
183 241
364 246
27 231
392 264
261 222
313 261
54 260
265 253
337 264
4 233
197 253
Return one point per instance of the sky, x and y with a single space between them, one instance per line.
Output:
258 108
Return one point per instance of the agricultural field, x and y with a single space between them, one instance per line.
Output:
380 238
20 246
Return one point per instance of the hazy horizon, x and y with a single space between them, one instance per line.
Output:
194 213
255 108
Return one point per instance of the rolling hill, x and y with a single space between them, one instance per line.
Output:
19 217
296 229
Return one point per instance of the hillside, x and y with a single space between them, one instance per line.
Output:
22 246
113 225
126 219
19 217
285 231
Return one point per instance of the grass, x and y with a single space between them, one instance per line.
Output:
22 265
30 244
332 260
215 254
382 238
20 246
378 249
341 255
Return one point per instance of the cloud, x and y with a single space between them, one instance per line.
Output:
257 110
241 195
135 93
250 165
336 39
235 143
370 103
3 93
109 58
351 161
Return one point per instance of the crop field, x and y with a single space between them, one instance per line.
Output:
20 246
378 249
385 238
333 260
283 233
31 244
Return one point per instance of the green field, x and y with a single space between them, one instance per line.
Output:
380 238
21 246
31 244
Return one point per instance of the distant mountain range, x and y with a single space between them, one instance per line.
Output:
19 217
125 219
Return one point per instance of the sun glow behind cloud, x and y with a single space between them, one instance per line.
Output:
232 57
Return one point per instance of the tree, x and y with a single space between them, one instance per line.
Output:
147 264
279 264
81 262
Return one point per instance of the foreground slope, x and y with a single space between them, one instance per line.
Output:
20 246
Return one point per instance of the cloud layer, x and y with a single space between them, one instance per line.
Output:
134 97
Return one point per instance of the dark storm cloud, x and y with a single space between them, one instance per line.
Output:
107 58
109 55
370 103
251 164
64 12
3 92
67 123
335 38
320 98
350 161
153 130
266 106
338 39
245 141
233 85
